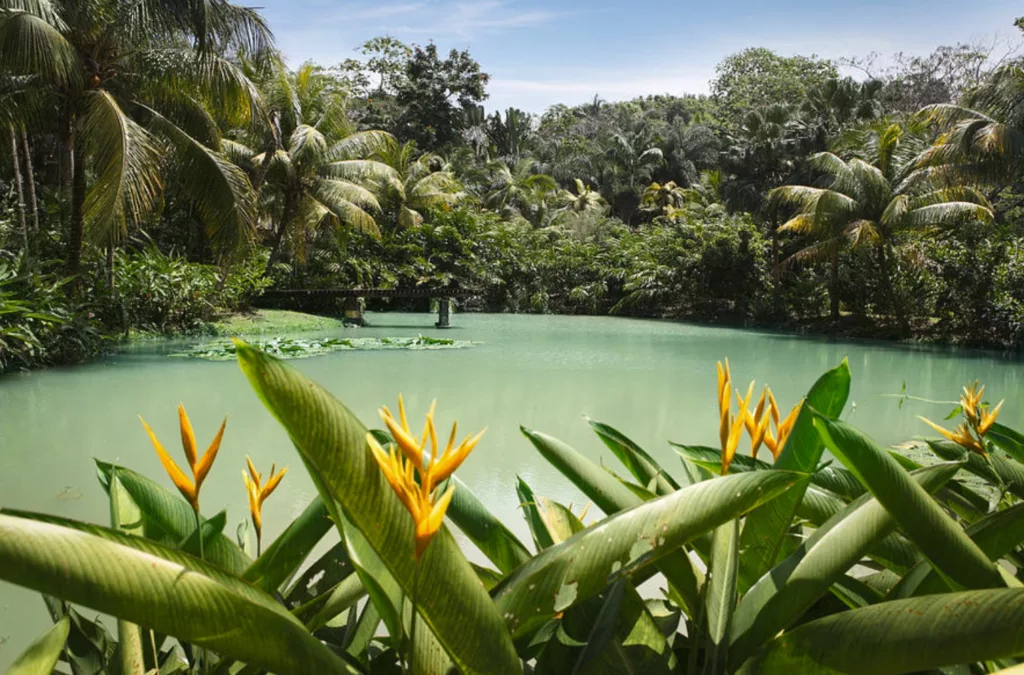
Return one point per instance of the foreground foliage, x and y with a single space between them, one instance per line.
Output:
868 563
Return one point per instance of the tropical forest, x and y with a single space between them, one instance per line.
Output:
738 356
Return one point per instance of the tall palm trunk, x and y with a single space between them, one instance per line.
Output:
833 287
30 174
291 207
76 223
21 192
887 288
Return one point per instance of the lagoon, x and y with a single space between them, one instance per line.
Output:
653 380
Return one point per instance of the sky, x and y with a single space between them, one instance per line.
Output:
566 51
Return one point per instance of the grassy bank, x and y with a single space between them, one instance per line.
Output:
266 321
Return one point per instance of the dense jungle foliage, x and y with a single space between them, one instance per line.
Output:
159 172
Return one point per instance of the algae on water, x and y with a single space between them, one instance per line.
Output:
299 348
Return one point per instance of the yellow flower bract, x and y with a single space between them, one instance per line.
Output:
258 492
970 434
200 466
758 423
415 476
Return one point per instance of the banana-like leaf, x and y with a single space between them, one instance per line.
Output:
332 443
783 594
125 516
169 519
286 554
560 522
627 542
720 598
767 528
940 538
995 469
325 573
158 588
487 532
997 535
902 636
639 463
612 496
1009 440
603 631
42 655
542 538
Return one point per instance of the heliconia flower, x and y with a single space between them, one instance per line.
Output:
961 436
970 400
200 466
258 492
414 476
724 404
777 441
988 418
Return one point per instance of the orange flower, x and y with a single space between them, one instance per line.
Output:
971 433
413 476
200 466
758 422
258 494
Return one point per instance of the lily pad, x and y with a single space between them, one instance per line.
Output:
300 348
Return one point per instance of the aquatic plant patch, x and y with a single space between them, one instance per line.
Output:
300 348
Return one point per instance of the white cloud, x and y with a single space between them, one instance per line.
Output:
469 19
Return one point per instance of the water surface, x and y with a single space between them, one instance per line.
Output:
652 380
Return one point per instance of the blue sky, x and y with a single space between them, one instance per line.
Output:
541 53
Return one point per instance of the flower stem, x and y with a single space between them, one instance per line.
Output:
411 656
259 545
199 534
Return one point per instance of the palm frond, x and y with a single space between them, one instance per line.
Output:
863 233
408 217
45 9
126 161
360 145
221 192
330 191
362 170
307 145
946 215
238 154
30 45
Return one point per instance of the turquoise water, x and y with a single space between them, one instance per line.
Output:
652 380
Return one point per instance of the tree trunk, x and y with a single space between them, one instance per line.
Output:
273 143
76 223
833 288
890 295
776 267
21 192
110 266
290 207
30 174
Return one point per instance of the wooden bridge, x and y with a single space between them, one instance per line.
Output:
354 309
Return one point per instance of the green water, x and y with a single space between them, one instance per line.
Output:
652 380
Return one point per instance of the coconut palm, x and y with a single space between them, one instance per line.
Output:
519 188
586 199
872 199
319 176
415 182
141 90
983 140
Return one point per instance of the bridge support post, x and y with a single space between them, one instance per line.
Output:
443 308
353 312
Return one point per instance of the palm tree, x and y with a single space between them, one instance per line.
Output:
137 84
415 182
703 199
662 197
519 188
629 161
319 176
983 140
586 199
689 149
872 199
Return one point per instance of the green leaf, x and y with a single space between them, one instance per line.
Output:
42 655
603 630
332 443
485 531
626 543
159 588
286 554
169 519
531 511
1008 440
997 470
639 463
611 496
767 528
789 589
936 534
721 595
902 636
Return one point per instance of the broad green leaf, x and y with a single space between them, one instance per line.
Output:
344 596
325 573
1008 440
286 554
627 542
560 522
639 463
332 443
169 518
903 636
159 588
611 496
42 655
603 631
125 516
940 539
485 531
721 596
995 469
997 535
531 512
765 529
789 589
